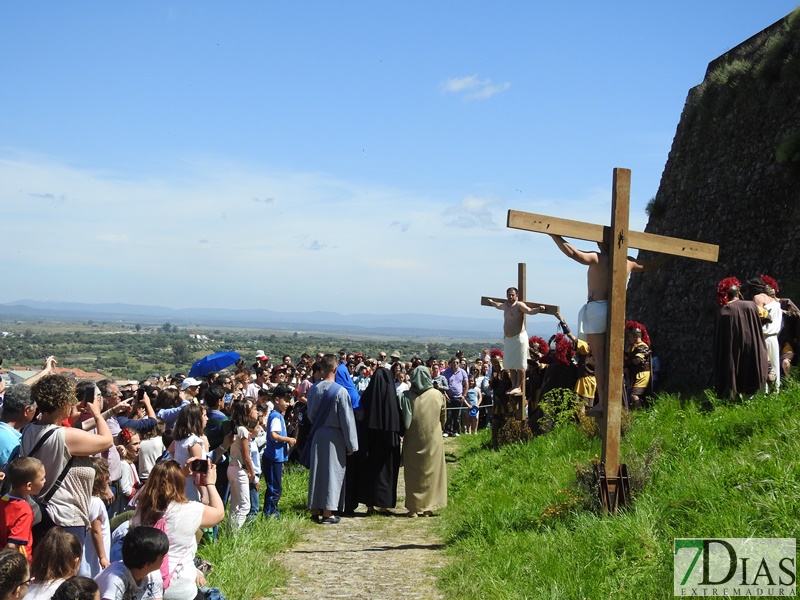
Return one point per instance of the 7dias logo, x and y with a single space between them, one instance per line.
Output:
739 567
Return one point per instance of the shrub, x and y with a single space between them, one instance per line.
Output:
559 407
656 207
788 150
513 431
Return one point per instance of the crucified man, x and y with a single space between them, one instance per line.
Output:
593 316
515 342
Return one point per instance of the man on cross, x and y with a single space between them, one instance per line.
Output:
593 316
515 338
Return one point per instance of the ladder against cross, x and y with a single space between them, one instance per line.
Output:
618 239
549 309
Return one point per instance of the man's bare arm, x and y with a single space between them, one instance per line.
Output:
634 266
584 258
496 304
531 309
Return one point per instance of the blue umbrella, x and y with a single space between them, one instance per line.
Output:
213 362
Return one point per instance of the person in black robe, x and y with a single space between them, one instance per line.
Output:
740 356
379 456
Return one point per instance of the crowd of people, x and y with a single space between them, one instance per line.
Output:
108 486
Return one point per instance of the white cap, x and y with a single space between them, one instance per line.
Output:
189 382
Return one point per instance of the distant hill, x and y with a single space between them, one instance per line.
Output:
397 325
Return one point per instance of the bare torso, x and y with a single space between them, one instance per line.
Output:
597 276
513 319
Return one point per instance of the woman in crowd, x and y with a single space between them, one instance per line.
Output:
65 451
189 442
379 450
163 497
56 558
423 450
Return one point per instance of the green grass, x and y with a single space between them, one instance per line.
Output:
514 530
245 563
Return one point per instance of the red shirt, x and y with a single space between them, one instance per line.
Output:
16 520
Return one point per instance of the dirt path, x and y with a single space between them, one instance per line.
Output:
366 557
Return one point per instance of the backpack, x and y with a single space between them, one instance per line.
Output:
166 572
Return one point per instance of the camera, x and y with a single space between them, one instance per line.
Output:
199 466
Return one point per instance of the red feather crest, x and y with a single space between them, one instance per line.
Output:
723 287
630 325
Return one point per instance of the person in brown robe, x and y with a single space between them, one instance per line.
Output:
424 467
740 356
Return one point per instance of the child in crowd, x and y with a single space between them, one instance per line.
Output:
473 400
78 588
56 558
26 476
277 451
240 470
258 441
14 575
97 547
143 551
151 449
188 440
129 451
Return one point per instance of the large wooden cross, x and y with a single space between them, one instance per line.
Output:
549 309
618 239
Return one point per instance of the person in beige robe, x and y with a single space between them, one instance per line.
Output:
423 446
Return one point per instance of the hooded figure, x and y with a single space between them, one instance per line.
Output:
381 427
423 449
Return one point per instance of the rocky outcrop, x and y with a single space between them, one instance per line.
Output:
733 179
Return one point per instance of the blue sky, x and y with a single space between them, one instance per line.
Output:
351 157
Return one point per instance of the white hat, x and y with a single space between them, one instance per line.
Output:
260 353
189 382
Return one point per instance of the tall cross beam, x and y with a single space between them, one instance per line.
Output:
549 309
618 239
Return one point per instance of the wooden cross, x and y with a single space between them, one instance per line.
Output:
549 309
618 239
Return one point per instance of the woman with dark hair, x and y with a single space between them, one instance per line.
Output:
189 442
65 451
379 449
424 471
55 558
163 496
14 575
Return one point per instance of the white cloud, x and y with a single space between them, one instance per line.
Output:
473 88
471 212
400 225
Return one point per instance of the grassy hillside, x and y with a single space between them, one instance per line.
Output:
516 526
